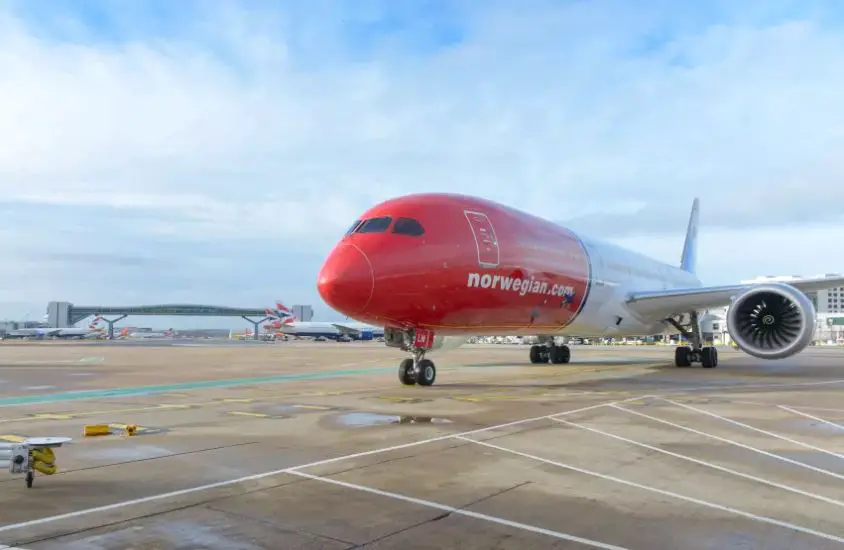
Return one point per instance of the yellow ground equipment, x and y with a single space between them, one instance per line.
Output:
92 430
34 454
96 429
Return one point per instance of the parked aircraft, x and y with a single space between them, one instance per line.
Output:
92 331
352 329
169 333
437 268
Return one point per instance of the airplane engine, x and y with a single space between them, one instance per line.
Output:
772 321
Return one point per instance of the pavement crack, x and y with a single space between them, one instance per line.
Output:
277 525
440 517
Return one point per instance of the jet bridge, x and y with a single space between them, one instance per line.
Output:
66 314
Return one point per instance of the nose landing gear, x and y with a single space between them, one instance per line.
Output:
418 370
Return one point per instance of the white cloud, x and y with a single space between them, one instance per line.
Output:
281 125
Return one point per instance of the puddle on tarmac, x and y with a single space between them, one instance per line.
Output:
357 419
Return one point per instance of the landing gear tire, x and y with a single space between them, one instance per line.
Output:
709 357
560 355
683 356
30 477
407 376
426 373
538 354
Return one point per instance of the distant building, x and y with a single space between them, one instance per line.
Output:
303 313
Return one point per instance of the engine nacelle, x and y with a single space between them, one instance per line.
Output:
398 338
772 321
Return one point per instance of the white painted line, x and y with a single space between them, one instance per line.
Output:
821 409
452 436
757 386
292 470
706 464
753 428
807 415
459 511
731 442
764 404
693 500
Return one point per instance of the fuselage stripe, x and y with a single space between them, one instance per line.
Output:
589 277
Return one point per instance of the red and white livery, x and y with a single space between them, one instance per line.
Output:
435 268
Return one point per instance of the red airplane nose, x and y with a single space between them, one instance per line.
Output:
346 281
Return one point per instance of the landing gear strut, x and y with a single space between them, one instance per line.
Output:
685 356
550 351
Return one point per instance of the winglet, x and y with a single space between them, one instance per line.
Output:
688 262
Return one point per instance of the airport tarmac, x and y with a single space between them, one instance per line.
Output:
317 445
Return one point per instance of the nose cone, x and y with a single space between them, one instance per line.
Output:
346 281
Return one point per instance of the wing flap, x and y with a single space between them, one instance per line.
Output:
668 302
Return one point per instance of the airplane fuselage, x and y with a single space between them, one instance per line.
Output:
328 330
483 268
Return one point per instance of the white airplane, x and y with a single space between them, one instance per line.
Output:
352 329
438 268
92 331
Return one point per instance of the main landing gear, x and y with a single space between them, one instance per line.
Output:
543 353
685 356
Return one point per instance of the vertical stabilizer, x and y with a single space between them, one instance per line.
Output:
688 262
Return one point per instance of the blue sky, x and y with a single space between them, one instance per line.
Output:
213 152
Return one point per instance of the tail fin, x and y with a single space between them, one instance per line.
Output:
688 262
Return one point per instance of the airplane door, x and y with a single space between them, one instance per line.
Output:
485 239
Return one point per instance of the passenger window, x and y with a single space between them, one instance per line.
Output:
374 225
408 226
353 227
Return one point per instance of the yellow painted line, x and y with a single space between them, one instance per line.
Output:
493 397
49 416
315 407
397 399
244 413
12 438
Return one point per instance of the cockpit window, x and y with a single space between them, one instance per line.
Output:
408 226
374 225
353 227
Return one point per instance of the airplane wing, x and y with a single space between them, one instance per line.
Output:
344 329
668 302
